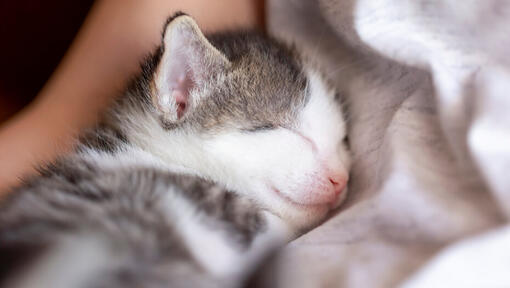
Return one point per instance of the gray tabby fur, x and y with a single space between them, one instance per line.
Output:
113 191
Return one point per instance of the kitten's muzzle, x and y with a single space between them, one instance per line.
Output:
316 191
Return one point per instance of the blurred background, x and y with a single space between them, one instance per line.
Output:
35 35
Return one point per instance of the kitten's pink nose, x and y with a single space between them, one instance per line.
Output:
339 181
330 193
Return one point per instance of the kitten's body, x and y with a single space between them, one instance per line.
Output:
192 176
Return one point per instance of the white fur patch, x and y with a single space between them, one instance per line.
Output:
210 246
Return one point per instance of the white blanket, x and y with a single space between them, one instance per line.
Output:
426 84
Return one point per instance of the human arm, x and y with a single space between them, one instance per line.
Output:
107 50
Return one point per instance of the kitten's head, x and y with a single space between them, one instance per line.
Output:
243 111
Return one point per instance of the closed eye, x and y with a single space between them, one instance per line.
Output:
260 128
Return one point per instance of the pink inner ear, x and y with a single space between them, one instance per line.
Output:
181 93
181 101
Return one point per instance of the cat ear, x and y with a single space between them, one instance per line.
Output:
187 63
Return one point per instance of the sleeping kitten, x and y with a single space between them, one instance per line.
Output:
223 148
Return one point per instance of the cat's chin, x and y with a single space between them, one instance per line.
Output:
339 199
298 205
303 216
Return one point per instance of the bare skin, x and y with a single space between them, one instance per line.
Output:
109 47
